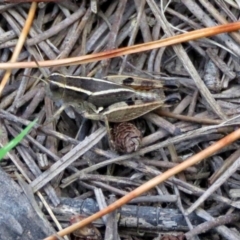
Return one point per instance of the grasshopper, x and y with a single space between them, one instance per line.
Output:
105 100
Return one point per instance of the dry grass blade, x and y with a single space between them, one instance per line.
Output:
206 32
20 43
187 118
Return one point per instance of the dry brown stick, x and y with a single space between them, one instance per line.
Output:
162 123
118 15
163 164
183 104
22 88
220 64
226 10
206 32
67 48
26 98
16 17
188 118
193 103
39 96
139 19
113 190
152 56
207 21
227 174
20 43
223 230
153 182
204 227
219 17
57 28
227 163
174 158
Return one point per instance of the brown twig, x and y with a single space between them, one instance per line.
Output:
206 32
188 118
204 227
20 43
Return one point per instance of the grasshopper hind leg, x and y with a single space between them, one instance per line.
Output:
110 139
103 118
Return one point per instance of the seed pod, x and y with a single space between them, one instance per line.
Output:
126 137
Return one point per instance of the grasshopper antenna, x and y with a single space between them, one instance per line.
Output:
43 73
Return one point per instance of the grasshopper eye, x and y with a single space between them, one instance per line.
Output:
54 87
128 81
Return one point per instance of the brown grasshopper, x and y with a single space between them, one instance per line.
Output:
105 100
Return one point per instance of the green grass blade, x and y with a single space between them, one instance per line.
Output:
16 140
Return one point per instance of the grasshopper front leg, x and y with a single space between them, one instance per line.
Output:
100 117
81 107
56 114
90 111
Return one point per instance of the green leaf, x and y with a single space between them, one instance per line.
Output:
16 140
